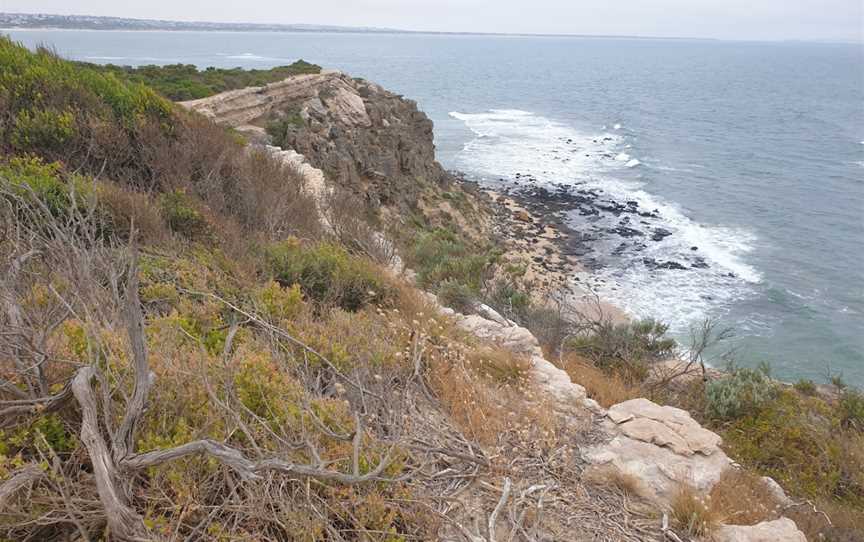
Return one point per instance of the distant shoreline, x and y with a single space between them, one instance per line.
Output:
349 30
355 31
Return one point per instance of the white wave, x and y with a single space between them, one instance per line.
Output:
253 56
106 57
544 152
616 127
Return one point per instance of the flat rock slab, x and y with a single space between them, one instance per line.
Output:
659 470
783 529
647 421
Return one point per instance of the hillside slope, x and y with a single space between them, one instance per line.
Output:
210 338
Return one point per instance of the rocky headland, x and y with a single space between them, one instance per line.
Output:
355 135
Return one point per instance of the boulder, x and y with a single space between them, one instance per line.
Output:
659 470
662 447
647 421
783 529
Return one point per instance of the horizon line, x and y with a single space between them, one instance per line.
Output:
315 27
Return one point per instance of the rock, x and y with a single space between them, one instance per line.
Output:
654 423
659 469
777 491
660 446
660 234
780 530
359 135
522 216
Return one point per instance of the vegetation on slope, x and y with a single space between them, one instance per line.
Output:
180 82
810 443
188 354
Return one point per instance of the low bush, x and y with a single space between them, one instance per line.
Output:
627 349
34 180
459 297
794 440
182 216
805 386
742 392
279 129
328 274
441 255
851 409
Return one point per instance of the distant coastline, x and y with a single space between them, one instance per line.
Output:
45 21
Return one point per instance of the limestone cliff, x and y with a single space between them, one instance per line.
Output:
363 137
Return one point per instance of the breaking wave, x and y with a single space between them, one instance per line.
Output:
673 268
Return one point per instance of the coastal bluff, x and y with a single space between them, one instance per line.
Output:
368 140
353 133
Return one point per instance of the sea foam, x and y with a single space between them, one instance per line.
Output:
546 152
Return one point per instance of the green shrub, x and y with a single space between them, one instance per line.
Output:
509 300
743 392
30 177
43 128
328 274
181 216
459 297
186 82
279 129
441 255
794 440
805 387
851 409
626 349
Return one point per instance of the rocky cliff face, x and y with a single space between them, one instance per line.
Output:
361 136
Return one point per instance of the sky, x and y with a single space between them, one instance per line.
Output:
723 19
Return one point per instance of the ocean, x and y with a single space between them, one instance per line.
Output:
748 156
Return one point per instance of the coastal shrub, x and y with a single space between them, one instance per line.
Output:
744 391
34 180
459 297
795 440
805 386
124 208
180 82
627 348
509 299
441 255
851 409
43 128
279 129
328 274
181 215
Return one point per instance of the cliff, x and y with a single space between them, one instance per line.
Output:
361 136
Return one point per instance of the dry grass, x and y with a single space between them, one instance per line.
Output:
606 388
608 476
693 513
742 498
501 366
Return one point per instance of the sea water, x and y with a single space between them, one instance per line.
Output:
751 154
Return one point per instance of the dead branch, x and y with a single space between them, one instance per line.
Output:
21 478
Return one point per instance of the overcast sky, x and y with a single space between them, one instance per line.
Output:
728 19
